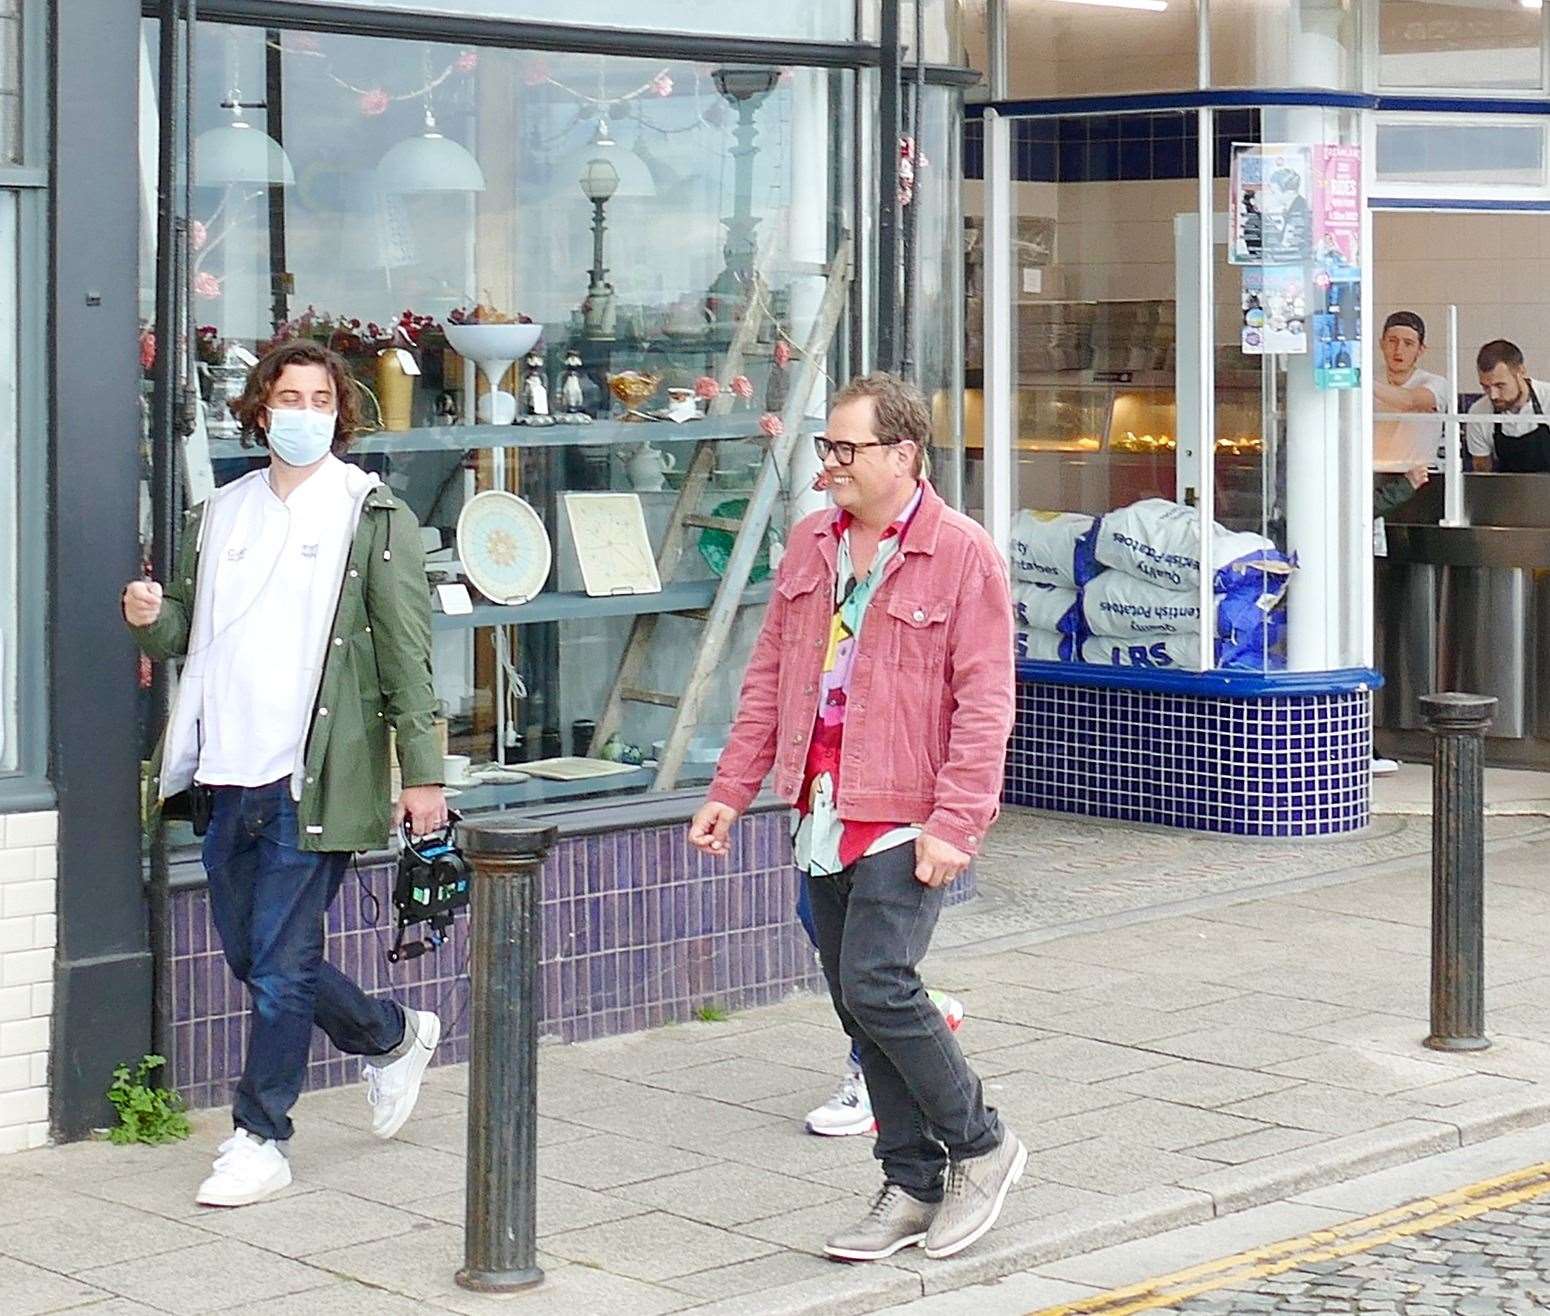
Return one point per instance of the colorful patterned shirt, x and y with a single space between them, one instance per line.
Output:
826 844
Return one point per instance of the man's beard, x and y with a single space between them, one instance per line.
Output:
1516 404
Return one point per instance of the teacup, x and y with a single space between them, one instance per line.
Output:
454 769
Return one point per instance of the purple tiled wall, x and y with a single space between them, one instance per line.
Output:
638 929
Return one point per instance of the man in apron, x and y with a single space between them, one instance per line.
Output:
1520 445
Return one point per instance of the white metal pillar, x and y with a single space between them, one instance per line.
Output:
1000 469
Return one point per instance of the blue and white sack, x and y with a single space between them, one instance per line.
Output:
1162 652
1159 541
1045 546
1045 608
1042 646
1119 605
1177 653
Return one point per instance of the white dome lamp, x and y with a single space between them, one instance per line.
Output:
429 163
240 154
634 177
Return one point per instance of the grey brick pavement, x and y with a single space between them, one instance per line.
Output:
1178 1026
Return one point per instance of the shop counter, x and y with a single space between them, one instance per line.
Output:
1467 607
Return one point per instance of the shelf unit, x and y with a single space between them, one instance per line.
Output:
465 438
564 605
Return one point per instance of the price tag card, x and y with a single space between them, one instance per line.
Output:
455 600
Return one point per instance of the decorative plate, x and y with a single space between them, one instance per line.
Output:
503 546
716 545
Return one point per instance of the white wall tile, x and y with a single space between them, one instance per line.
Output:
31 829
24 967
16 1073
18 866
24 1037
16 1003
28 932
28 1106
18 898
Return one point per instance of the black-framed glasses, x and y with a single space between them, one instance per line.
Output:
844 450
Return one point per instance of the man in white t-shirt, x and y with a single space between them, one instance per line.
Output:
1407 445
1518 445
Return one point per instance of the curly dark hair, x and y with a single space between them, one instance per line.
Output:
300 352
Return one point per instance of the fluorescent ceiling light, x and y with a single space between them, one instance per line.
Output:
1152 6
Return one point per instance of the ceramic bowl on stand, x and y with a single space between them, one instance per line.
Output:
494 348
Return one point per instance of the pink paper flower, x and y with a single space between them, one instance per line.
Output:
206 285
742 386
662 84
782 353
535 73
706 388
771 425
147 348
198 234
468 61
374 102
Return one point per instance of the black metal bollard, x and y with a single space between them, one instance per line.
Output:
1458 723
500 1229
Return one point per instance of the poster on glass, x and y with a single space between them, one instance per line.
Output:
1270 206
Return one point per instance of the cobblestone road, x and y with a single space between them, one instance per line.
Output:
1495 1265
1426 1261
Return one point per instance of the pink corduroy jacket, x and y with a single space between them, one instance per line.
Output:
930 701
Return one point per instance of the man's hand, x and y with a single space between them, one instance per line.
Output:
424 806
711 827
936 862
142 602
1417 475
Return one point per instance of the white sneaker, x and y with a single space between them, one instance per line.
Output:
247 1170
847 1112
392 1090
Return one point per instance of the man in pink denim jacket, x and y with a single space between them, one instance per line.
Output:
880 692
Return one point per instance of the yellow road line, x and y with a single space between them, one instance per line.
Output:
1342 1240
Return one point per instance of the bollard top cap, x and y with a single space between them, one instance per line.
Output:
506 837
1454 709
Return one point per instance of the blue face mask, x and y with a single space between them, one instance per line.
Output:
300 437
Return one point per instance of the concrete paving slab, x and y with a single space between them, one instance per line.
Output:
310 1222
1198 1083
737 1079
93 1233
606 1161
1013 1293
1345 1067
657 1246
1323 1109
32 1291
1114 1165
729 1195
197 1280
334 1298
758 1276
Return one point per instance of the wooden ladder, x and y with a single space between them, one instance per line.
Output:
749 529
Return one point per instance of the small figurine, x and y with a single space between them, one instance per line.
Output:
535 390
573 399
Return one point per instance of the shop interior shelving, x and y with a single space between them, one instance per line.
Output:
466 438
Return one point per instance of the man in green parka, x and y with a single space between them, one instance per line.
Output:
301 612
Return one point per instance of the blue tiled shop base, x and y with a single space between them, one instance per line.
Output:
1261 765
638 929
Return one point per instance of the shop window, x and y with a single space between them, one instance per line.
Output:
1107 413
11 538
10 81
624 206
812 20
1440 155
1060 48
1441 45
1283 43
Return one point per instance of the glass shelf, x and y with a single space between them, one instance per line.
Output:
537 790
565 605
601 433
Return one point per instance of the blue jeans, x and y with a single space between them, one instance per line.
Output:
268 898
805 914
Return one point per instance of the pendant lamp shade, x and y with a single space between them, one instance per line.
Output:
240 154
429 163
635 178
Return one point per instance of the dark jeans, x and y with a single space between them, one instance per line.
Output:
268 898
874 924
805 917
